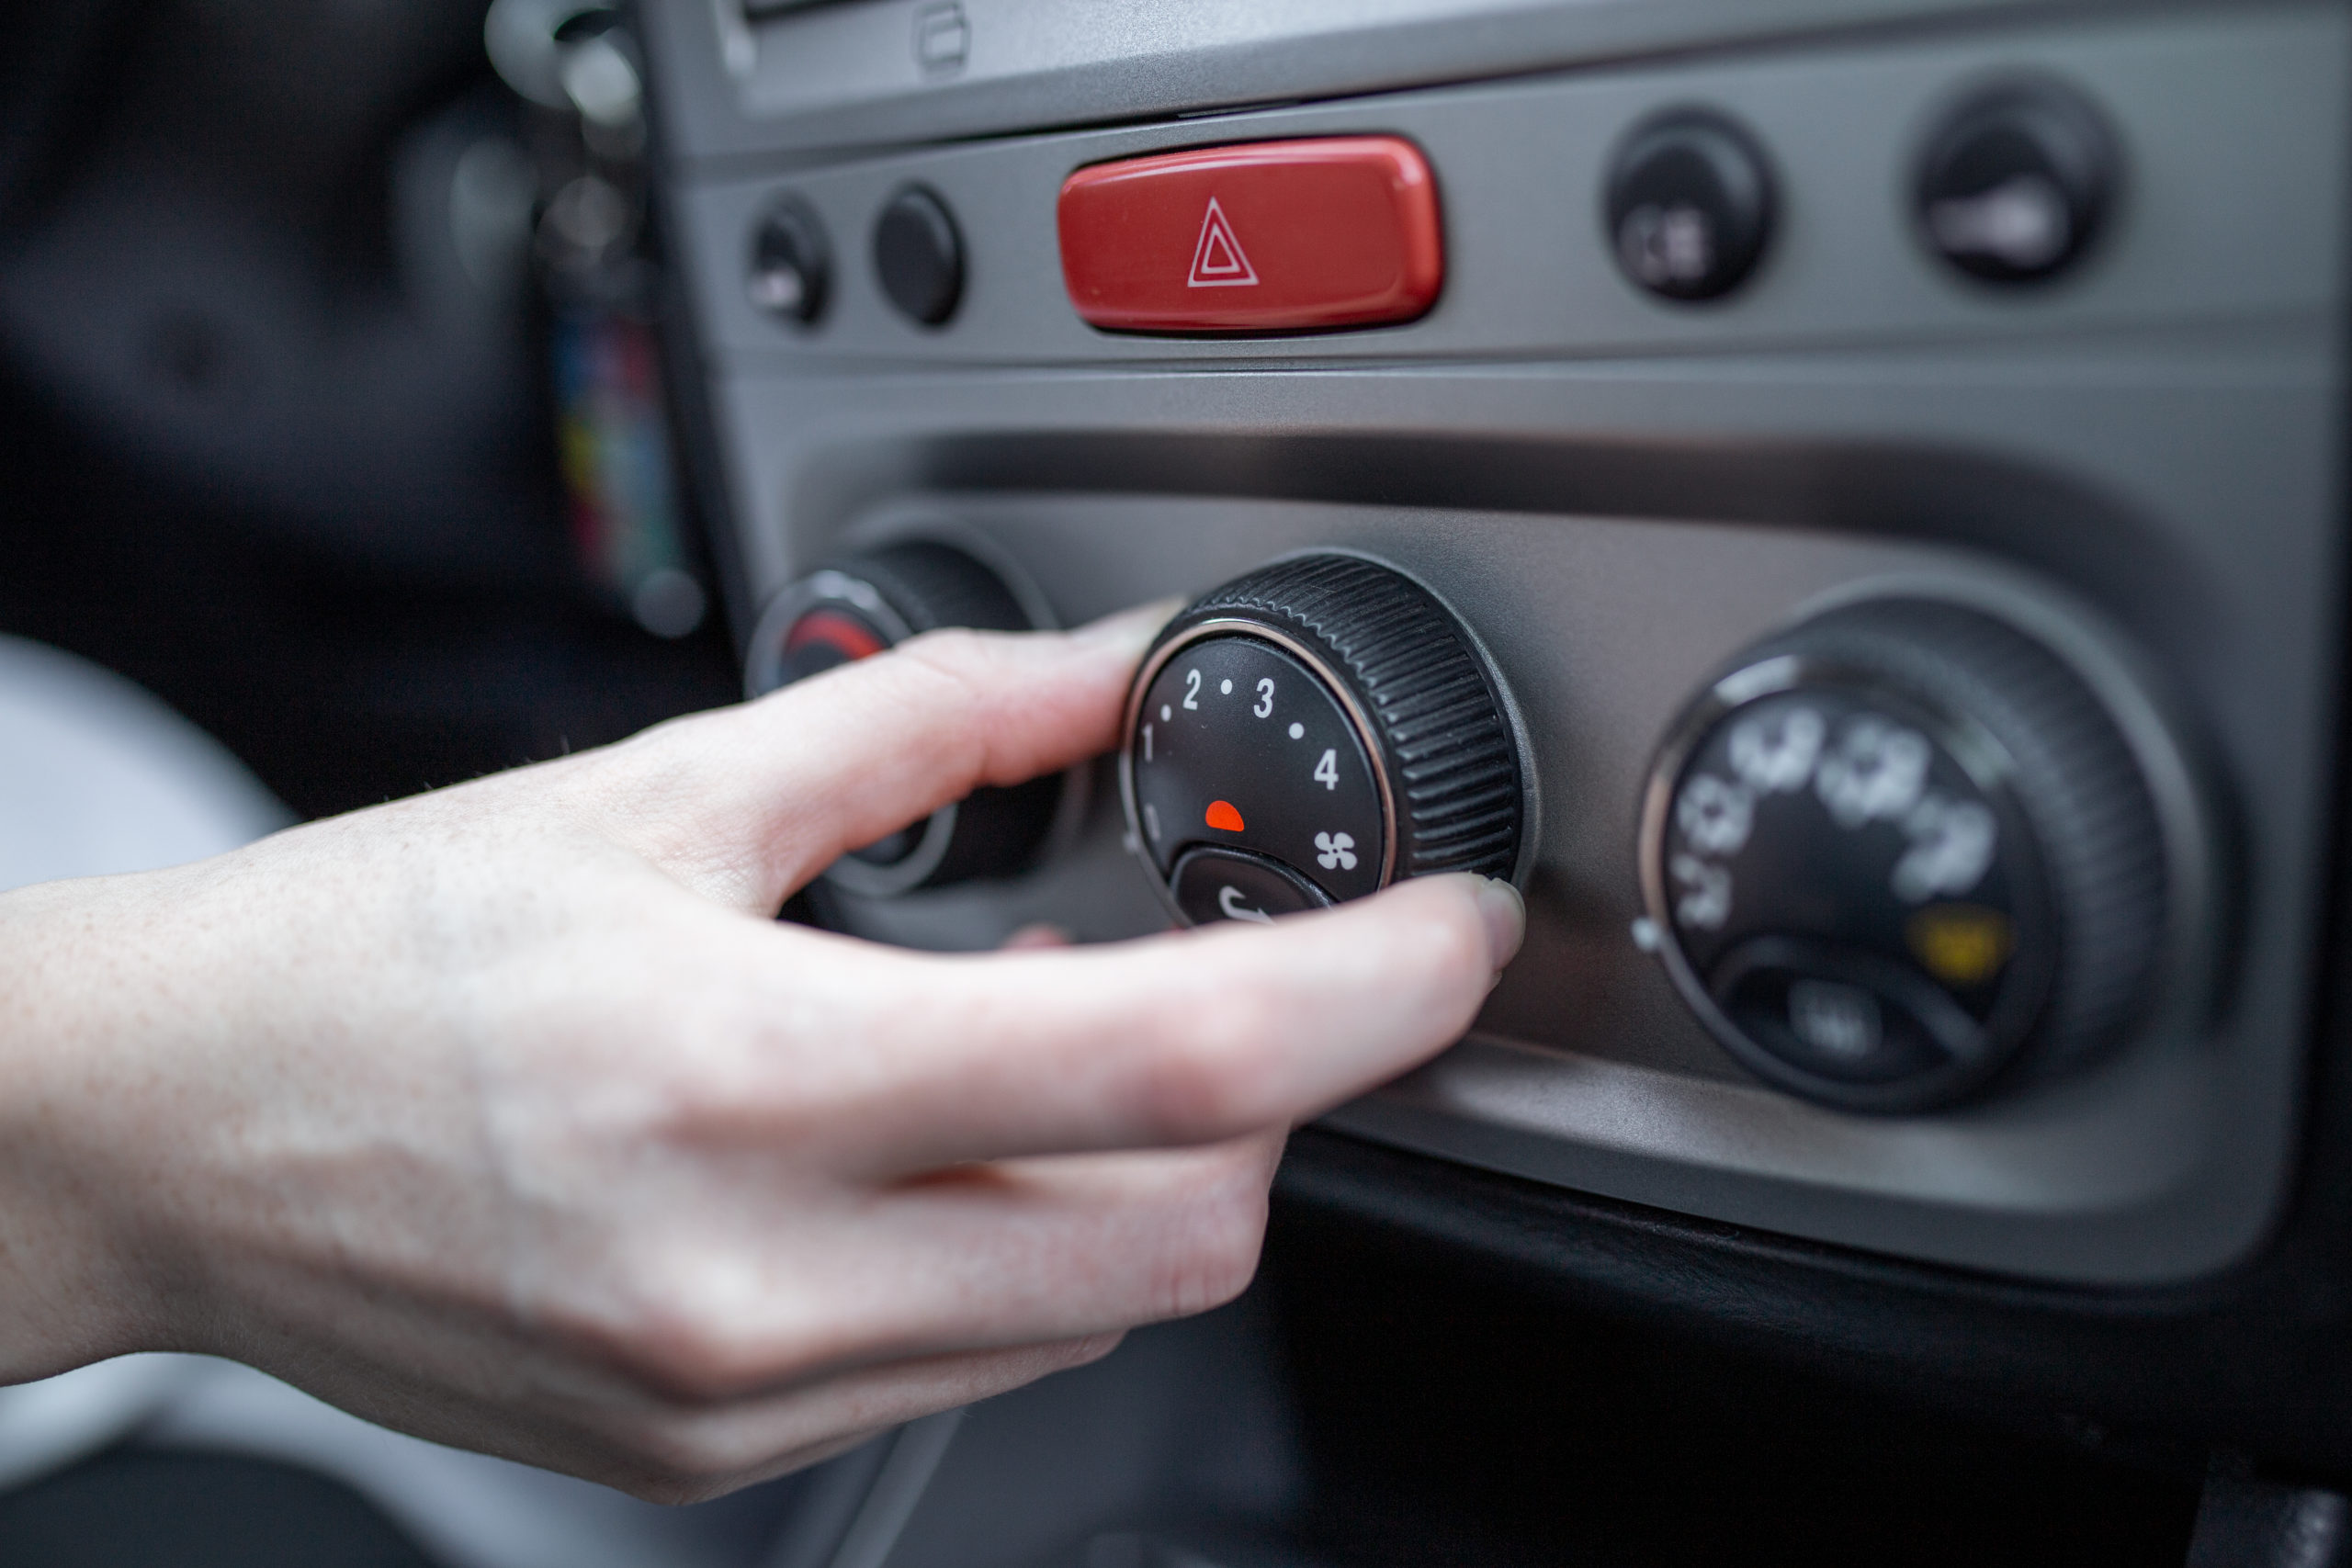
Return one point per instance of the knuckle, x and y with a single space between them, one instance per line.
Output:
1216 1253
683 1457
975 671
1454 949
956 658
1080 1352
1218 1068
673 1343
690 1356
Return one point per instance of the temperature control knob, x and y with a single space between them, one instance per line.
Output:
1896 847
1310 733
859 607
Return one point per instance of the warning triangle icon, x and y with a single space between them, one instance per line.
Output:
1218 260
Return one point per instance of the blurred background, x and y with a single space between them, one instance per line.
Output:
329 404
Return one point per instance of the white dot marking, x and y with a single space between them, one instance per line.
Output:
1298 730
1163 713
1225 688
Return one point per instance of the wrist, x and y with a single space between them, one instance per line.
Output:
77 1284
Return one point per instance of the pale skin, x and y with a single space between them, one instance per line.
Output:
508 1116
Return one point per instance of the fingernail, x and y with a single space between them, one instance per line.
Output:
1131 628
1037 933
1505 916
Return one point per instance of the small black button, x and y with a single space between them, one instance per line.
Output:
791 268
919 256
1226 885
2014 186
1689 205
1843 1015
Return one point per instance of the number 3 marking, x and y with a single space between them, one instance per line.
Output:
1265 697
1192 688
1327 771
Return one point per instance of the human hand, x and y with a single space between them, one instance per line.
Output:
508 1116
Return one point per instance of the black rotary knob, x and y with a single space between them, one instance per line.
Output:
2016 182
1897 846
1311 732
857 608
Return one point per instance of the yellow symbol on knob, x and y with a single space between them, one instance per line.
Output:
1961 945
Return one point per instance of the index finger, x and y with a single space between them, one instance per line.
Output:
749 802
1187 1038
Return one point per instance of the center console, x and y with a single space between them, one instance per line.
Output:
1841 500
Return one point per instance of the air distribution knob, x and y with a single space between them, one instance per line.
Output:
1901 848
1308 733
859 607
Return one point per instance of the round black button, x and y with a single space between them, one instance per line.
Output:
2014 186
791 268
1689 205
1229 885
919 256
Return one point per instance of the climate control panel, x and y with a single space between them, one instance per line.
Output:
1855 476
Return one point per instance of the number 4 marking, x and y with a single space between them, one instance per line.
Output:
1327 771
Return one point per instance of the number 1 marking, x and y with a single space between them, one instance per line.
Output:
1327 771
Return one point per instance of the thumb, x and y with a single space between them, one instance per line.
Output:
746 804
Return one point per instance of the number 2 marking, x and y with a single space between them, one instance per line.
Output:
1192 688
1265 697
1327 771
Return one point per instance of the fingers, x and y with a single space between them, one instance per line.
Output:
1073 1245
1190 1038
979 1257
748 803
689 1453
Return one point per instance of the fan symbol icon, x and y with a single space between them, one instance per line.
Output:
1338 852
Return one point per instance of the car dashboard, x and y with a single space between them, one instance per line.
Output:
1840 502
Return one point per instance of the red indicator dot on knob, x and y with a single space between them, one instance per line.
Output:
1224 817
846 635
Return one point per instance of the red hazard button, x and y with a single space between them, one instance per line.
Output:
1270 236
